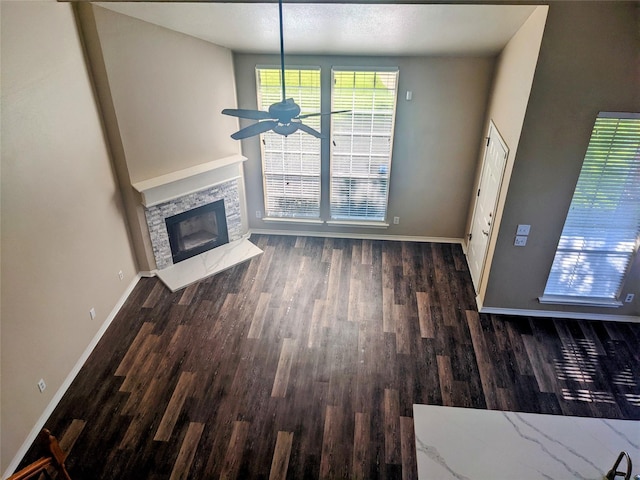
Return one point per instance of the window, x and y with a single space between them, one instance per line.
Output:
362 143
601 232
291 165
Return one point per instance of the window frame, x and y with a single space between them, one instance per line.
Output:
356 220
594 172
288 214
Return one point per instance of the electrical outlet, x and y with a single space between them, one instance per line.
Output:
523 230
120 275
396 220
92 313
520 241
629 298
258 214
41 385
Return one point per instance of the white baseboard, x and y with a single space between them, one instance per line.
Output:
22 451
465 245
358 236
558 314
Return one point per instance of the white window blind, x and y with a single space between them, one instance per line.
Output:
291 165
362 143
601 232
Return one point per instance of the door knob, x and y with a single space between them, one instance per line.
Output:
484 232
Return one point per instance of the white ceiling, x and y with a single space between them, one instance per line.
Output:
339 28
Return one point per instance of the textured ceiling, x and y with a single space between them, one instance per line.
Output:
340 28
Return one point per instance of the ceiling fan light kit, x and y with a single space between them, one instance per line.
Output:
283 117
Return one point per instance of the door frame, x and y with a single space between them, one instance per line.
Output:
492 130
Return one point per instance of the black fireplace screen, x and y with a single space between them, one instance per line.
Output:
198 230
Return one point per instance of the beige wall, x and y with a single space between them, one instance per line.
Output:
507 106
161 94
589 62
168 90
63 235
435 147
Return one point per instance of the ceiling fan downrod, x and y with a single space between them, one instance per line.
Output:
284 95
282 117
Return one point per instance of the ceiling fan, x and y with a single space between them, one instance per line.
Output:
283 117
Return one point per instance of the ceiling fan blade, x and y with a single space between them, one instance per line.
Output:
322 113
249 114
310 131
254 129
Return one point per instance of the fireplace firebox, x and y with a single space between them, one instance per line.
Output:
197 230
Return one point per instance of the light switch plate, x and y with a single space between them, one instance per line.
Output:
523 230
520 241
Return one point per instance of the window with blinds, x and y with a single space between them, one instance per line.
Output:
291 165
362 143
601 232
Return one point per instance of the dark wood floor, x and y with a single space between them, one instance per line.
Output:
305 363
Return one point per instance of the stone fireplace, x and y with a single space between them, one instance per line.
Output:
158 215
196 222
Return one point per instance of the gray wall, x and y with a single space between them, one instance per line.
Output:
437 138
507 107
589 62
64 237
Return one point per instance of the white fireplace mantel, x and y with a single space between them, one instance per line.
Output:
183 182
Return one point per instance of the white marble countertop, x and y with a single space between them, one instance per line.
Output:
466 443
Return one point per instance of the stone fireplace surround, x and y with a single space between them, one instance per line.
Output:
181 191
156 215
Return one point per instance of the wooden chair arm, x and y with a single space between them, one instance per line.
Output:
55 459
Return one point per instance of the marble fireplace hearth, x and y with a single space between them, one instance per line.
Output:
173 194
209 263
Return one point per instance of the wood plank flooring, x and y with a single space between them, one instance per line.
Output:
305 363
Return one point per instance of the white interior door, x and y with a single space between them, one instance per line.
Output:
493 164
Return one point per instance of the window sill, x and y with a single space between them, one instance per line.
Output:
583 301
356 223
315 221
